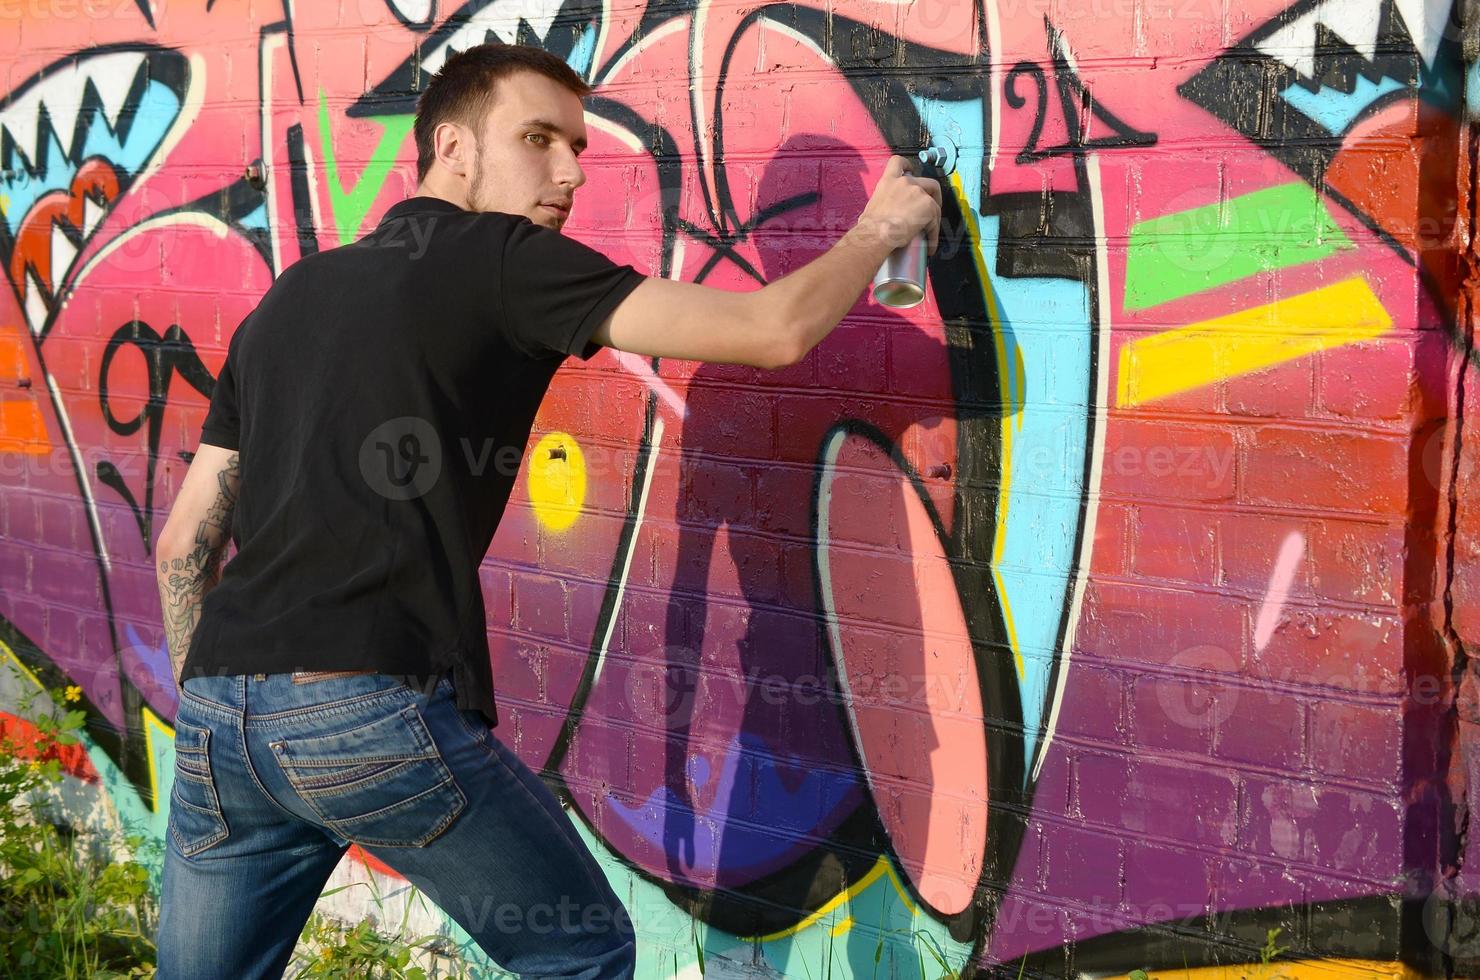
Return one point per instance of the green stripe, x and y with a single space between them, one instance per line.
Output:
1187 252
351 206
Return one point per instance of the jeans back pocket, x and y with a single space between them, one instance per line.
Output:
195 820
382 782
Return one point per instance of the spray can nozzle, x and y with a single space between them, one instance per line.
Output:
900 281
933 157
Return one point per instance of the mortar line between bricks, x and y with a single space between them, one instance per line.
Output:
1250 683
1203 848
1221 505
1337 424
1169 587
1363 884
1220 764
1246 682
1194 762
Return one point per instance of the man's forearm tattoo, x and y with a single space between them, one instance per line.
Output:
184 581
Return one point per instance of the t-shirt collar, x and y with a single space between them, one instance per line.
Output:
415 205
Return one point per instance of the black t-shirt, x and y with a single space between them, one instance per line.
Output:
381 396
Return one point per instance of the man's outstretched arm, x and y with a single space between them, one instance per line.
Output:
192 546
778 324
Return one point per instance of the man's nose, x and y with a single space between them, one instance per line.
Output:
571 173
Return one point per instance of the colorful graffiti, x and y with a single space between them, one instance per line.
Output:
1068 623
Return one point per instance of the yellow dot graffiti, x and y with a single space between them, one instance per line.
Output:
557 480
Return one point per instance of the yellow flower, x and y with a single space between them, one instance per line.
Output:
35 765
73 693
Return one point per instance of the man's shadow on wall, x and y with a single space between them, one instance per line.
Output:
800 734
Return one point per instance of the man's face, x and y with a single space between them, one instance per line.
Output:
525 162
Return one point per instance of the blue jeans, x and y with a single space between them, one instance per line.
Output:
275 777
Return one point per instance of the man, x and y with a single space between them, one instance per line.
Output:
334 677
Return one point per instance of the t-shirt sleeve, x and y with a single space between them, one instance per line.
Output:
222 426
555 291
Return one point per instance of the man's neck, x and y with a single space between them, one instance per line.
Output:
451 196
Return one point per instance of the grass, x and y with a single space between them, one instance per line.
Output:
329 949
68 907
1270 951
76 905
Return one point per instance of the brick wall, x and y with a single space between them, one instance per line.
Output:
1105 611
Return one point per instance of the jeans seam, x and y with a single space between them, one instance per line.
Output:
309 786
365 759
480 736
593 868
331 707
241 734
194 775
445 820
207 706
189 849
417 727
196 847
336 826
196 807
498 760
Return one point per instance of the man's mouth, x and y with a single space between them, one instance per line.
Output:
563 210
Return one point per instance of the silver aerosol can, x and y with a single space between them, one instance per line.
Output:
900 281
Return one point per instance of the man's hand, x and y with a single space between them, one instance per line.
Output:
902 206
193 544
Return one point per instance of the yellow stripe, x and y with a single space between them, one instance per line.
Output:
1291 970
10 654
153 723
1249 340
880 869
1011 405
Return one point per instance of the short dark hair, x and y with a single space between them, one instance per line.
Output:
466 87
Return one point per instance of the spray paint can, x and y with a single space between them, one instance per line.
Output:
900 281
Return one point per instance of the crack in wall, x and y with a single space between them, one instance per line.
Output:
1465 706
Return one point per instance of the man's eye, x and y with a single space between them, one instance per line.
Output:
537 136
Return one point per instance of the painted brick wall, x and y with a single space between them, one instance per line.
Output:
1108 610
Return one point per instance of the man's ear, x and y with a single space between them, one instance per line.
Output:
453 145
